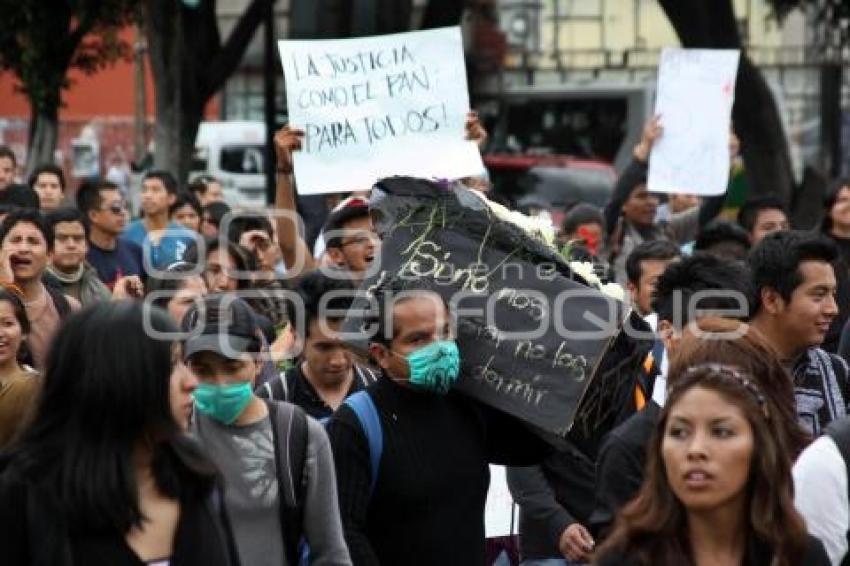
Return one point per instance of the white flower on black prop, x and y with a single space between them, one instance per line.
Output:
586 271
540 229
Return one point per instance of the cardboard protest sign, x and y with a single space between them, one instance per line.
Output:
532 334
696 89
378 106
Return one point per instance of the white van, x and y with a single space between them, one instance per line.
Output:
234 152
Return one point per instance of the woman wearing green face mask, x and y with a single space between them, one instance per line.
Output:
245 437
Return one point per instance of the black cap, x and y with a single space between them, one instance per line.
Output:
225 324
348 209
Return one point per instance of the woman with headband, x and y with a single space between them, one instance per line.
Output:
718 488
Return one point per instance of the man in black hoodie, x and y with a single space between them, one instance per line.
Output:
423 501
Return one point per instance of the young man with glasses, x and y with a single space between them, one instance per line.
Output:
350 240
113 257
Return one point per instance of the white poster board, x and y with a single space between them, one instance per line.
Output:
696 88
380 106
501 516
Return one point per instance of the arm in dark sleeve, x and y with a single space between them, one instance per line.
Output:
633 175
710 208
354 478
509 441
685 225
619 475
531 491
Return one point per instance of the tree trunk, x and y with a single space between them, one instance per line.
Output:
441 13
190 65
767 162
163 29
711 24
44 134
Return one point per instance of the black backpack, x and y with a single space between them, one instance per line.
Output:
289 433
60 301
280 388
839 432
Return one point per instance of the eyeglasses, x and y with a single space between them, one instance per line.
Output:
360 239
116 208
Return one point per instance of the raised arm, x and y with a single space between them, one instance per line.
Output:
296 254
474 129
633 174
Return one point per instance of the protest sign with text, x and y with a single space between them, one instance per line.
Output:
536 341
378 106
696 89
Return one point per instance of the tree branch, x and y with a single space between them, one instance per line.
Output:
86 21
440 13
225 61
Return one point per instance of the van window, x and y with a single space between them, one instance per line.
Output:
583 127
200 159
244 159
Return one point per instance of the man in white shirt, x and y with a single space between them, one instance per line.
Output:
821 492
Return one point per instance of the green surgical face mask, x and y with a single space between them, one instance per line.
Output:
223 403
435 367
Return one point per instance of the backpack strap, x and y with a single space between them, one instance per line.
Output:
364 408
221 522
289 433
365 375
277 389
839 432
63 307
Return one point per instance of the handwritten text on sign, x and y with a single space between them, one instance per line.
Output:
378 106
695 93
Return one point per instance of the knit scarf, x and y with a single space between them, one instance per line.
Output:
66 278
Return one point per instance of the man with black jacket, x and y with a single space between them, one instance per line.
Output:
423 501
630 215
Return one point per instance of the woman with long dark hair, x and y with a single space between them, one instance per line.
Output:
18 382
718 488
104 474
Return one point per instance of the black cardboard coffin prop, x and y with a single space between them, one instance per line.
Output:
536 341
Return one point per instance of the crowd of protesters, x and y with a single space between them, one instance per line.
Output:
176 389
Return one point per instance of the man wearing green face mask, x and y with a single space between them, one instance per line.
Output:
424 504
276 462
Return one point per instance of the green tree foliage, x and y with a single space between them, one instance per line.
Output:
832 15
40 41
